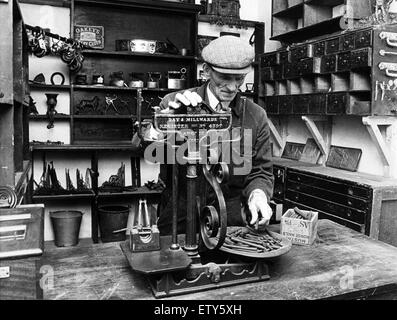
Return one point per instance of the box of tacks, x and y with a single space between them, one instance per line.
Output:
299 226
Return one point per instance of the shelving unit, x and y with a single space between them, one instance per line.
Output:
14 133
94 133
298 20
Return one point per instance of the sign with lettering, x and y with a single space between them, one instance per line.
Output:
91 36
194 122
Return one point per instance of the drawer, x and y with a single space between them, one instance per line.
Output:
283 57
301 52
277 72
300 104
319 49
347 42
327 206
267 74
323 215
333 185
361 58
271 105
285 104
344 61
309 66
269 60
336 103
279 183
363 39
317 103
328 63
291 70
332 46
342 199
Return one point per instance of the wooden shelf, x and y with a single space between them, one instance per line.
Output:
249 23
142 191
40 117
126 54
331 25
82 147
113 88
52 87
97 116
63 196
294 11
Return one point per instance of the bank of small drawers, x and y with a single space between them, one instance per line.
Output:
335 199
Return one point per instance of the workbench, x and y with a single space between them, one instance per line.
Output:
341 264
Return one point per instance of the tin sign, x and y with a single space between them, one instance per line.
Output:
91 36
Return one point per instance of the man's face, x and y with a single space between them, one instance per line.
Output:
225 86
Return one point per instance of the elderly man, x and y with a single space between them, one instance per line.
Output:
227 61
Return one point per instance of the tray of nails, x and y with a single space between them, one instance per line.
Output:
247 242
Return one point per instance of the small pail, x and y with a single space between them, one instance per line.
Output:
113 218
66 226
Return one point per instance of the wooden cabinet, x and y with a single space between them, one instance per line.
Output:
298 20
353 71
14 133
362 202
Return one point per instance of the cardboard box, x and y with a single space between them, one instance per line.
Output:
299 231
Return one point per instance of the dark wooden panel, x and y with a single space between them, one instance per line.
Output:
271 105
317 103
353 215
332 46
102 130
363 39
285 104
334 185
300 104
328 63
361 58
319 49
279 182
344 158
336 103
347 42
344 61
24 280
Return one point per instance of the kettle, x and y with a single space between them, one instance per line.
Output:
117 80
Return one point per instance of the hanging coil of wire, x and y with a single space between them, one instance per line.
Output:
8 197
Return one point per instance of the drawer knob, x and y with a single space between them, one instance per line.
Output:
349 213
350 191
350 203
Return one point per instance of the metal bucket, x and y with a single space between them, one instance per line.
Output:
66 226
113 218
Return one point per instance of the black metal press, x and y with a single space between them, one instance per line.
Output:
178 268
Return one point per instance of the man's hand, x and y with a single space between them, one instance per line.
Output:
187 98
259 208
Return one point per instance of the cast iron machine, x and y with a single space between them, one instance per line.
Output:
178 268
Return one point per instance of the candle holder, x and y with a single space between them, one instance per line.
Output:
51 112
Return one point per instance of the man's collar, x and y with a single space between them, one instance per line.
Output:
235 105
213 101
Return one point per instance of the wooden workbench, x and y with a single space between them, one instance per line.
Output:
341 264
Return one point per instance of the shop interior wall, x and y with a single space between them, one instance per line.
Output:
346 131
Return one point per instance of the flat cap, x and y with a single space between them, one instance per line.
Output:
229 54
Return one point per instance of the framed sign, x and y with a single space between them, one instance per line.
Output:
91 36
